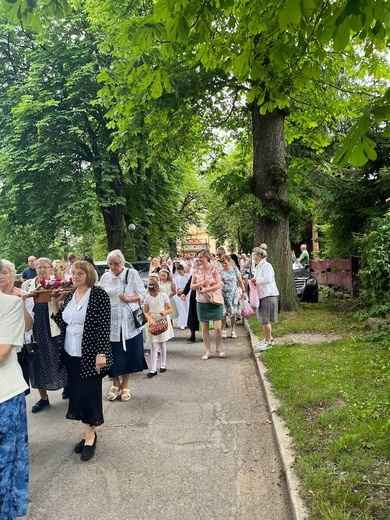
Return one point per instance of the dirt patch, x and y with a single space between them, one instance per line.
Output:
309 338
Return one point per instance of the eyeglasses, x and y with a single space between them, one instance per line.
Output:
114 263
43 267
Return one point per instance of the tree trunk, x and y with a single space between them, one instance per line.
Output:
109 191
113 223
270 187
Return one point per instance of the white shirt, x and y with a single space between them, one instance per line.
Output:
74 316
122 320
12 326
265 279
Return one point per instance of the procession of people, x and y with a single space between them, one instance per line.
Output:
87 329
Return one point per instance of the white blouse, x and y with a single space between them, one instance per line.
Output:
12 382
74 316
122 321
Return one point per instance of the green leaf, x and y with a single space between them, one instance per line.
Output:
290 15
308 7
341 36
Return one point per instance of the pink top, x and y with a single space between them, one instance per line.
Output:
210 278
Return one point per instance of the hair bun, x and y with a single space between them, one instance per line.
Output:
263 246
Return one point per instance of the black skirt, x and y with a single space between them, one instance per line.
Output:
85 394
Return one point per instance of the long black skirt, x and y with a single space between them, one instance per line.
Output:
85 394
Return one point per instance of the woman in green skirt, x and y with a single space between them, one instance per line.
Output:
206 280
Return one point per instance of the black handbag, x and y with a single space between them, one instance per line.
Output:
139 317
29 351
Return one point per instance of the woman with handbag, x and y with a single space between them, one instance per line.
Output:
126 290
7 276
233 291
209 301
267 312
157 308
14 464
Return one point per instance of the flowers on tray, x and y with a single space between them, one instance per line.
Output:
49 285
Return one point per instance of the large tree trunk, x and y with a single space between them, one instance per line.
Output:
113 223
108 189
269 176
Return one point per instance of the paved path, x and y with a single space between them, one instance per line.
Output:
195 443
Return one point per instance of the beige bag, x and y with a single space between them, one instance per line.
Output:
216 299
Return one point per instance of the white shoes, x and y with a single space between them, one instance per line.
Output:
263 345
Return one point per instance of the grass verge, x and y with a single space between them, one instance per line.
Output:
335 401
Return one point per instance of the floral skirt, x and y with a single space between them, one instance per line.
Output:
13 458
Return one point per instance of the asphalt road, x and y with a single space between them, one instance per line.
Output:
194 443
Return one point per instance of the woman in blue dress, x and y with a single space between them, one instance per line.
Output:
233 291
13 417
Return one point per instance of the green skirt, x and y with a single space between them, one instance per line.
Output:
209 311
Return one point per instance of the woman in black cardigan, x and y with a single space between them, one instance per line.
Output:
85 347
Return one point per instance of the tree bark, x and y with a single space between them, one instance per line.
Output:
270 186
109 191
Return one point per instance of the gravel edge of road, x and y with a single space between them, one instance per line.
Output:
282 435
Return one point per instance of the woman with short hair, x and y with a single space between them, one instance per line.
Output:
14 462
267 312
85 347
45 370
233 291
126 290
7 276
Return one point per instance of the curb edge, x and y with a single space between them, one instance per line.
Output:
283 437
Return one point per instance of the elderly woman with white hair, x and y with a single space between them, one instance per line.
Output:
126 290
7 276
267 312
13 417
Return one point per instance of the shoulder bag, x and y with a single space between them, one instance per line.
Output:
216 299
29 351
138 314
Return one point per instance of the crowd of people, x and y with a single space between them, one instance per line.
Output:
90 330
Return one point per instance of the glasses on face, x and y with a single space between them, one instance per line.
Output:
116 264
40 267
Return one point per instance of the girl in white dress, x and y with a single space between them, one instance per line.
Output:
157 302
181 280
167 286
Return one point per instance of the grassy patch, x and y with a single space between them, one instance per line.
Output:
336 403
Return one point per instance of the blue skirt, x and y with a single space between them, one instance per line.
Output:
130 360
13 458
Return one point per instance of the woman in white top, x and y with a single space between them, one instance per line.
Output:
126 290
85 350
13 417
7 276
264 278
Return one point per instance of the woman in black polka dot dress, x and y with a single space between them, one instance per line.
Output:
85 345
